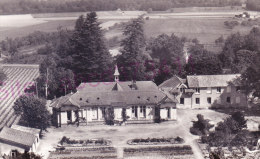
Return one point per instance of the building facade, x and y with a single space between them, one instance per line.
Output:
133 101
206 91
18 138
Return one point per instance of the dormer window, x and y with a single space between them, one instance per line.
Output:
80 98
138 97
155 96
87 101
97 98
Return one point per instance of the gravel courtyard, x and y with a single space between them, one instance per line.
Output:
119 135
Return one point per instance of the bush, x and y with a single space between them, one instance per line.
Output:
195 131
231 24
200 127
45 50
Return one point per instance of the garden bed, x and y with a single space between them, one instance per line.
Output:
156 141
166 150
67 142
85 153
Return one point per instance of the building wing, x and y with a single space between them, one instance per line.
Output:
199 81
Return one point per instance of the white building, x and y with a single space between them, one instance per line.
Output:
138 101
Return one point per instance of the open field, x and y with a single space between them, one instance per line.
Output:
205 26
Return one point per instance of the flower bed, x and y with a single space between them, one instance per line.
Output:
83 143
156 141
166 150
85 153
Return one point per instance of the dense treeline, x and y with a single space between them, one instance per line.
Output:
253 5
53 6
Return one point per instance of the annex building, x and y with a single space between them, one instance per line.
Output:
18 138
137 101
204 91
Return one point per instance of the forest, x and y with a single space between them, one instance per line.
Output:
55 6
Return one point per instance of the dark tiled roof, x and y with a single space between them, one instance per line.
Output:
17 136
113 93
27 129
107 86
172 82
64 100
108 98
211 80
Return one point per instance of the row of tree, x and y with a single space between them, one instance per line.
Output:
241 54
253 5
81 55
12 45
52 6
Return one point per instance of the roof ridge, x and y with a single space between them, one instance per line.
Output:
214 75
19 131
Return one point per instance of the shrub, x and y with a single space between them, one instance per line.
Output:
179 139
200 127
231 24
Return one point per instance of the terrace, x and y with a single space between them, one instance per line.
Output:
120 135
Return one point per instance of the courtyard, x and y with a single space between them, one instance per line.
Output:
119 135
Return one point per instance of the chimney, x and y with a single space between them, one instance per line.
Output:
133 85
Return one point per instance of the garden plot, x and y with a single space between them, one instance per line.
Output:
173 152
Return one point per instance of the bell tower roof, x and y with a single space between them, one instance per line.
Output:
116 71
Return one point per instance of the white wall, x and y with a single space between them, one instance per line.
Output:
118 113
163 113
63 117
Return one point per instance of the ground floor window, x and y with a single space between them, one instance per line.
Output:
69 115
209 100
228 100
169 113
182 101
103 112
14 153
134 111
143 111
197 100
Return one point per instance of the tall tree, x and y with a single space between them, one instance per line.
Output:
168 51
131 61
60 81
233 43
250 79
33 112
91 58
242 60
202 62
